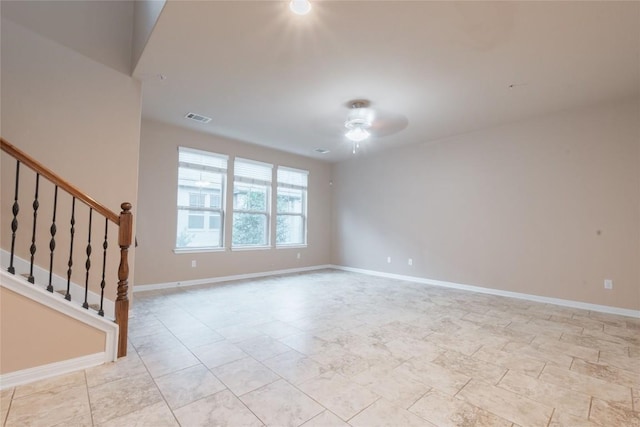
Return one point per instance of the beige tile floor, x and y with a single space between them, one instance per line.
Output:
331 348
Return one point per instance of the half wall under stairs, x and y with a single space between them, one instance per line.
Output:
54 338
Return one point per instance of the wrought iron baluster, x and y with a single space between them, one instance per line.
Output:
87 264
105 245
32 248
14 223
70 263
52 242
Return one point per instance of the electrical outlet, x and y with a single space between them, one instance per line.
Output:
388 260
410 261
194 263
298 255
608 284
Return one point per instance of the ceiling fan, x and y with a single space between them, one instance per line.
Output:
362 122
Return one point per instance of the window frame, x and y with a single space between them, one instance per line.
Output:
303 186
206 211
265 182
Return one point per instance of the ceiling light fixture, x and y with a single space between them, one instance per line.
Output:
358 121
357 134
300 7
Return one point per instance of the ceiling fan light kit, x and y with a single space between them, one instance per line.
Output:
358 121
357 134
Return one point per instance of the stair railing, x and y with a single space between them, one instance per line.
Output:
124 222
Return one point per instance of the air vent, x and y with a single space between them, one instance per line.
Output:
321 150
197 118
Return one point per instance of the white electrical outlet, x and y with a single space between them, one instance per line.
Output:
410 261
608 284
388 260
193 263
298 256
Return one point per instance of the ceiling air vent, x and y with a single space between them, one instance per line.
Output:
197 118
321 150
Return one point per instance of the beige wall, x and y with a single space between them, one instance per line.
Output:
548 206
77 116
145 16
99 29
80 118
44 336
155 260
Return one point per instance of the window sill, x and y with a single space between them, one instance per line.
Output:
292 246
250 248
197 250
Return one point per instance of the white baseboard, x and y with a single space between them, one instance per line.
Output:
499 292
41 277
196 282
57 302
25 376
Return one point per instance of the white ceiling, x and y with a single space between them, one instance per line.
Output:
276 79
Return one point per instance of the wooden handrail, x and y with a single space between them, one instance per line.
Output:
57 180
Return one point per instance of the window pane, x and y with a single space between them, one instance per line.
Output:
249 229
198 179
292 200
201 182
214 221
250 197
196 222
196 200
215 200
289 200
192 232
290 230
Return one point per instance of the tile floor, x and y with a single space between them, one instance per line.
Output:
332 348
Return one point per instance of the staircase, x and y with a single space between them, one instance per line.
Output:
65 220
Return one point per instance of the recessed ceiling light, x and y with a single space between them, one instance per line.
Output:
300 7
321 150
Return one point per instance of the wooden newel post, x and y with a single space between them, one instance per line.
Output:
122 300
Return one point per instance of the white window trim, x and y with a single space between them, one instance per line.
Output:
267 212
221 210
198 250
303 214
250 248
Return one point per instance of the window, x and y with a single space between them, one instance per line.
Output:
201 184
291 219
251 197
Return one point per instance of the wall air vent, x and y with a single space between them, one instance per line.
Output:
197 118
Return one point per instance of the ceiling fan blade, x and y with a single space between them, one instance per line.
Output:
386 124
331 124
